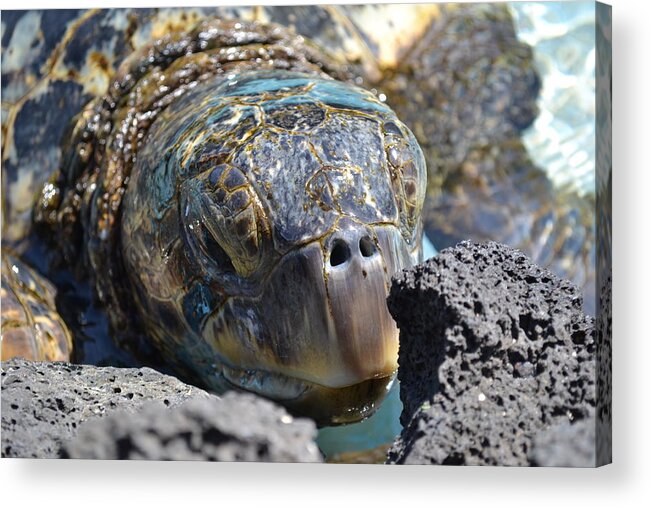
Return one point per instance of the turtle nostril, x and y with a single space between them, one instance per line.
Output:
339 254
366 246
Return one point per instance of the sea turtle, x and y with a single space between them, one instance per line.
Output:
234 195
235 200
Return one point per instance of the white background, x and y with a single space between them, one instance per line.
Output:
626 482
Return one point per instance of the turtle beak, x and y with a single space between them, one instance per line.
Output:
327 346
357 281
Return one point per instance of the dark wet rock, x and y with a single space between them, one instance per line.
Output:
44 404
493 350
235 427
499 194
565 445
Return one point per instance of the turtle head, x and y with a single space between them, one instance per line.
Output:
293 200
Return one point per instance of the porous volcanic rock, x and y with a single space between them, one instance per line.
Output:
43 404
493 351
235 427
565 445
52 410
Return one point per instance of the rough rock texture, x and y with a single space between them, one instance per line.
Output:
235 427
54 410
565 445
604 372
43 404
493 350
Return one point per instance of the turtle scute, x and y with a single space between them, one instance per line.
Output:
81 202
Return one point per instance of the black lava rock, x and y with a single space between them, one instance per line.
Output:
565 445
235 427
493 350
43 404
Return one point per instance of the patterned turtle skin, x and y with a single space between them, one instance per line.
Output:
283 291
55 61
198 228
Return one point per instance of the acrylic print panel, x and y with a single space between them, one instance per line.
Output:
351 234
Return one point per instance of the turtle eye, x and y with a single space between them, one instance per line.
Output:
408 176
224 220
212 249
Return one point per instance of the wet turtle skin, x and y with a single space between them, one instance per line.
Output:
55 61
456 74
240 310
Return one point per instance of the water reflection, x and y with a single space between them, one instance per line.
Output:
562 139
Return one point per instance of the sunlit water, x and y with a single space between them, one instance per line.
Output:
562 139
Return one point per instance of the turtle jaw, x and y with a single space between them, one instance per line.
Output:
328 352
327 406
344 405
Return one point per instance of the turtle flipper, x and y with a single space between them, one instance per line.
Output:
31 326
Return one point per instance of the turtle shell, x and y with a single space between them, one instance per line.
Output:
31 326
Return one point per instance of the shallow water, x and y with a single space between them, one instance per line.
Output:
562 139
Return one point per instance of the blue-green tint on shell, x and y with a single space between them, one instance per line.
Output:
330 92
